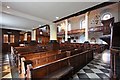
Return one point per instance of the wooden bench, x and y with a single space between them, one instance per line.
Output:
59 69
40 59
77 59
19 51
29 49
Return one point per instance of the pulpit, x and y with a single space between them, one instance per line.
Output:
107 26
111 35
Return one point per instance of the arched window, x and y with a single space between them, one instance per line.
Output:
82 24
106 16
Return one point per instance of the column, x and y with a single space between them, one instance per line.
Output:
33 35
53 44
25 36
87 25
53 32
66 31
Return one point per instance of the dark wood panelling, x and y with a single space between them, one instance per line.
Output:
21 38
28 37
6 46
116 35
44 37
115 51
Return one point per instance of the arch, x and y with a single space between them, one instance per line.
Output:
106 16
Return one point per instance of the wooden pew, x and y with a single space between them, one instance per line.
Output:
30 49
55 70
61 55
81 59
78 61
19 51
40 59
58 68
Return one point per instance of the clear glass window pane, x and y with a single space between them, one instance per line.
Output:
5 38
12 38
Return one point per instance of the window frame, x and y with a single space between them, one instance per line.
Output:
106 13
5 38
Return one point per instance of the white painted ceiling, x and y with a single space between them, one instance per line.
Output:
28 15
49 10
12 22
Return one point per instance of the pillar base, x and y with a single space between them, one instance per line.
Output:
53 45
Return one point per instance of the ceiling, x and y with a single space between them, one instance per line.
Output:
12 22
29 15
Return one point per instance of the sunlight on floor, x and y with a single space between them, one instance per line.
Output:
106 57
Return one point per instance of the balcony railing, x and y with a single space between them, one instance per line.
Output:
96 29
76 31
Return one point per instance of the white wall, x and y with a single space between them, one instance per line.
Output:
75 22
81 38
113 9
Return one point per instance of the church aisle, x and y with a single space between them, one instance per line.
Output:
6 69
97 69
